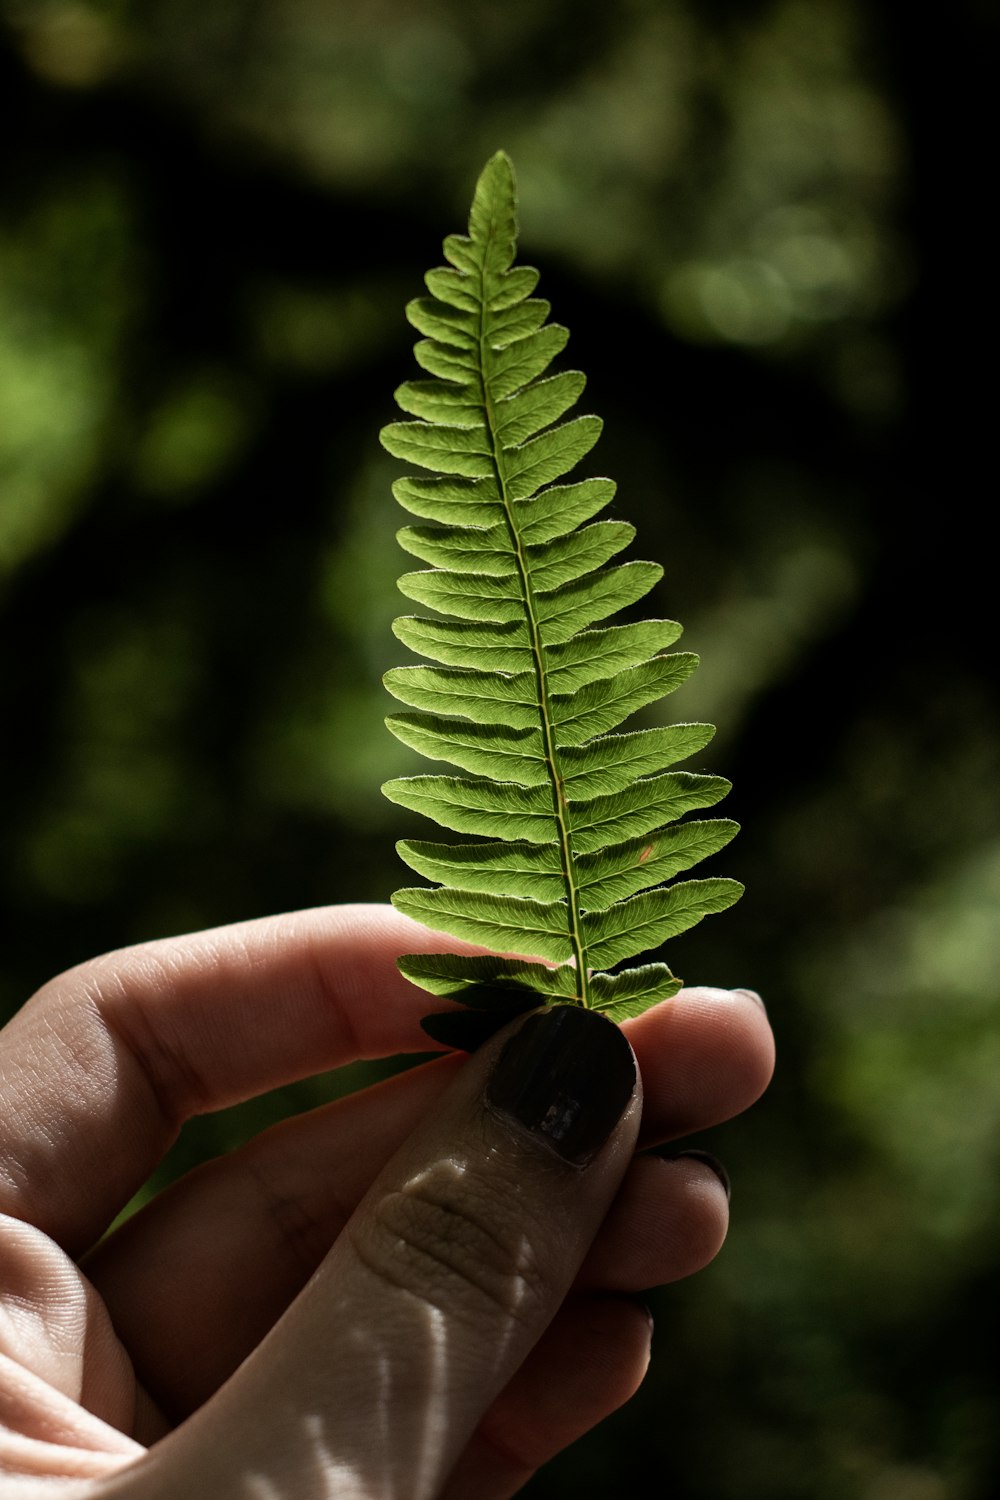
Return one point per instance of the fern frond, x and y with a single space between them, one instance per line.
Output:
571 826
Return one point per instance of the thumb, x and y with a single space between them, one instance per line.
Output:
442 1281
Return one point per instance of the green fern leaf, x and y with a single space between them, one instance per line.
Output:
571 827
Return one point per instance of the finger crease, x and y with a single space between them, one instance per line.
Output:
305 1235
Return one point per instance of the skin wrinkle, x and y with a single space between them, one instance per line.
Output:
181 1089
15 1175
157 1063
300 1230
31 1407
425 1230
515 1458
127 1011
512 1461
48 1057
350 1043
64 1335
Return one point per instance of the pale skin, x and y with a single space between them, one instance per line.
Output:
400 1296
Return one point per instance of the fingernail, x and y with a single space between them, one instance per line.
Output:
644 1306
753 995
567 1076
707 1159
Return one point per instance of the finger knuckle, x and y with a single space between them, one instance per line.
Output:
453 1242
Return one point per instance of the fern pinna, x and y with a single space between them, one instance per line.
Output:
573 826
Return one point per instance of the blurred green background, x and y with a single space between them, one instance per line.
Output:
763 224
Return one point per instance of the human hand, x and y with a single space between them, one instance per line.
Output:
409 1294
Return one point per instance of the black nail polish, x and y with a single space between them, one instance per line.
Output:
712 1162
566 1075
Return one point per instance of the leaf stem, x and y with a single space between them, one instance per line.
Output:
566 857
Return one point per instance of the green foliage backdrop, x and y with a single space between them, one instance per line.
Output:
759 220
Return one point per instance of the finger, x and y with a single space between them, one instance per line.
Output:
668 1221
196 1279
100 1069
588 1363
48 1440
445 1278
716 1057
